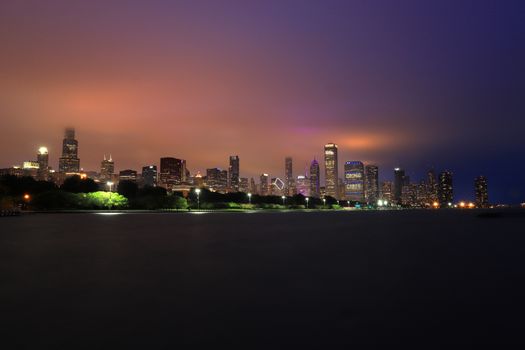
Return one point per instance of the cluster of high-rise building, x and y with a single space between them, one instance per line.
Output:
360 182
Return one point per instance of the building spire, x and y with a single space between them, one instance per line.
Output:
104 157
110 158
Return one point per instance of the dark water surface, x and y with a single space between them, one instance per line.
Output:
262 280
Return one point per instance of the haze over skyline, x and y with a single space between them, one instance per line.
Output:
410 84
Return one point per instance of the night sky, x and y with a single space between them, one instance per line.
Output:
413 84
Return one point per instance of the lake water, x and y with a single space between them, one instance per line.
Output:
261 280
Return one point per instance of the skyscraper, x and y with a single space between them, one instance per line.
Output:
233 171
354 181
172 171
399 180
107 168
446 193
149 175
432 187
253 187
244 185
288 177
277 187
387 191
217 179
331 170
128 175
42 159
69 162
264 185
371 183
314 179
303 185
482 194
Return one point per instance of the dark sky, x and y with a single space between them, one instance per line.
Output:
398 83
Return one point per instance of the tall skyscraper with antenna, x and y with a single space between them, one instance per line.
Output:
69 162
107 168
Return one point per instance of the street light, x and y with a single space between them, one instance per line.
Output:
110 185
249 198
324 202
307 199
198 192
348 203
283 198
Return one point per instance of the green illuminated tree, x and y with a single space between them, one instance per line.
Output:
101 199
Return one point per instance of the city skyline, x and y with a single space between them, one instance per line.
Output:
359 183
412 85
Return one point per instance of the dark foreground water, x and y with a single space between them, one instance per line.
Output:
261 280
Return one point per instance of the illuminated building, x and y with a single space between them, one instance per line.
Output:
233 171
172 172
322 192
14 171
198 180
432 186
387 191
302 184
127 175
315 175
244 185
253 187
331 170
277 187
107 169
31 168
212 178
149 175
222 184
31 165
446 193
482 194
42 158
288 177
354 181
342 189
409 195
371 183
69 162
264 189
217 179
423 196
399 180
